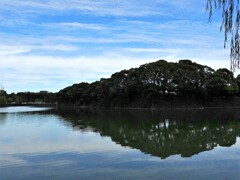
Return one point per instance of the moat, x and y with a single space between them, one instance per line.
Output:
45 143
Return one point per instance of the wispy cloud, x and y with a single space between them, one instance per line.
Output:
51 44
78 25
9 50
153 50
54 73
102 8
14 50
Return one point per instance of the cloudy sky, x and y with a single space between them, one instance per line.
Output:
51 44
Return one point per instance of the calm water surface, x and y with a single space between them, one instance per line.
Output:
40 143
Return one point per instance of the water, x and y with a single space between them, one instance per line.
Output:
40 143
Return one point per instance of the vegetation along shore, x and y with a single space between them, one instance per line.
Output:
160 84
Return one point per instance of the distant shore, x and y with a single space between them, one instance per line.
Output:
170 103
166 103
31 104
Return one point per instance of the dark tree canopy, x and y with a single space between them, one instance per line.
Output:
152 84
230 25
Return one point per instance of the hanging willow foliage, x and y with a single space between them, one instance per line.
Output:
230 26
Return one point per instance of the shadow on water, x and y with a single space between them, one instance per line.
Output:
160 133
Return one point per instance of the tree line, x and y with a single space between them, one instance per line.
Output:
147 86
27 98
150 83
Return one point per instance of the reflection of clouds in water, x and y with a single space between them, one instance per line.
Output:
11 161
20 160
38 134
57 163
21 109
80 143
37 144
237 145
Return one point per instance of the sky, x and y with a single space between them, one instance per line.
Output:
52 44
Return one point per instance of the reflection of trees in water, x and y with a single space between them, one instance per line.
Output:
162 133
3 118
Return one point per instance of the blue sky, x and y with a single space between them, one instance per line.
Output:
51 44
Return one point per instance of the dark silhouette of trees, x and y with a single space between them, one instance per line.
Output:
32 97
151 84
27 98
158 84
3 98
230 25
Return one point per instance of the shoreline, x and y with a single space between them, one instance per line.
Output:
34 105
62 106
229 102
142 108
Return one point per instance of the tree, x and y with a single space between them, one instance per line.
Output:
3 97
3 101
230 25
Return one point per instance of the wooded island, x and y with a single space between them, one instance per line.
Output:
157 84
152 85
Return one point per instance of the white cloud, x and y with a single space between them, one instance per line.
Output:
14 50
53 44
102 8
153 50
10 50
54 73
82 26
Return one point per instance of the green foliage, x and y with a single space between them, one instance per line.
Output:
30 97
3 100
147 85
26 97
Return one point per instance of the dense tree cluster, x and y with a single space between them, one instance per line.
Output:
26 98
39 97
146 85
3 98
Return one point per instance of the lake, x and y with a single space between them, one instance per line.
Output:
43 143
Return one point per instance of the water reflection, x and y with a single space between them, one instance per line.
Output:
19 109
161 133
82 144
2 118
